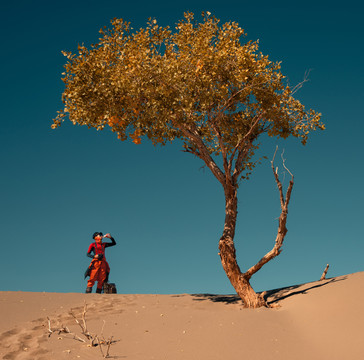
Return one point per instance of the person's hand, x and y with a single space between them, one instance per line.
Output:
107 235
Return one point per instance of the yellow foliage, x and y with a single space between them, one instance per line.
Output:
115 121
136 136
201 83
199 66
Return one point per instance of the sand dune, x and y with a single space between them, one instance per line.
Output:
319 320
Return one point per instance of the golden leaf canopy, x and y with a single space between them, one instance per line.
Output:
199 82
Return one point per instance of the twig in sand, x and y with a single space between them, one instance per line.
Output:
108 347
94 339
83 326
63 329
323 276
102 329
102 352
104 342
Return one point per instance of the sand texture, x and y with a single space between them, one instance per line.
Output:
319 320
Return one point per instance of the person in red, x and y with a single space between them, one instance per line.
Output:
99 268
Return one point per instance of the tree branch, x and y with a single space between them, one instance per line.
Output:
203 153
190 150
282 230
243 151
299 85
217 131
279 185
284 163
229 100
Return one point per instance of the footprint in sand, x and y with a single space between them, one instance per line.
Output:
25 343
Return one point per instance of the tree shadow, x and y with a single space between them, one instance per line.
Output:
276 295
270 296
227 299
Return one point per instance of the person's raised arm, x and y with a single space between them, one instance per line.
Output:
113 242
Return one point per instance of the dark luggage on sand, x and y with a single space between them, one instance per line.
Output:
109 288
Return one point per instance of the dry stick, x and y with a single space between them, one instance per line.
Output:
49 327
62 330
83 326
108 347
102 329
102 332
323 276
84 317
104 341
102 353
82 329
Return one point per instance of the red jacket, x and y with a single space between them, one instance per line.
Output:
99 248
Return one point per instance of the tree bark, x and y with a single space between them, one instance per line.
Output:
238 280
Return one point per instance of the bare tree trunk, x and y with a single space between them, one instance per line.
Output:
239 281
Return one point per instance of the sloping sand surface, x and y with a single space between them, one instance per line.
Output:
319 320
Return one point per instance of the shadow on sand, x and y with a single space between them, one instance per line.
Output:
271 296
227 299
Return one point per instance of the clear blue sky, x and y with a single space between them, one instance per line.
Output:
166 213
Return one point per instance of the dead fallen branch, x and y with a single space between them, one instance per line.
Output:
83 325
62 329
93 339
108 343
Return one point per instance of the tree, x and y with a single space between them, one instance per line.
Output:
199 84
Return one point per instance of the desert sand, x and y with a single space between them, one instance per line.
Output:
319 320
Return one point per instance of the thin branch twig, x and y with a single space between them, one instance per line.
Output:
63 329
299 85
83 326
98 341
284 163
108 347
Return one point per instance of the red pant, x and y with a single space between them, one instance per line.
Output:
99 271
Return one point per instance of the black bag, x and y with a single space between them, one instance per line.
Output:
109 288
